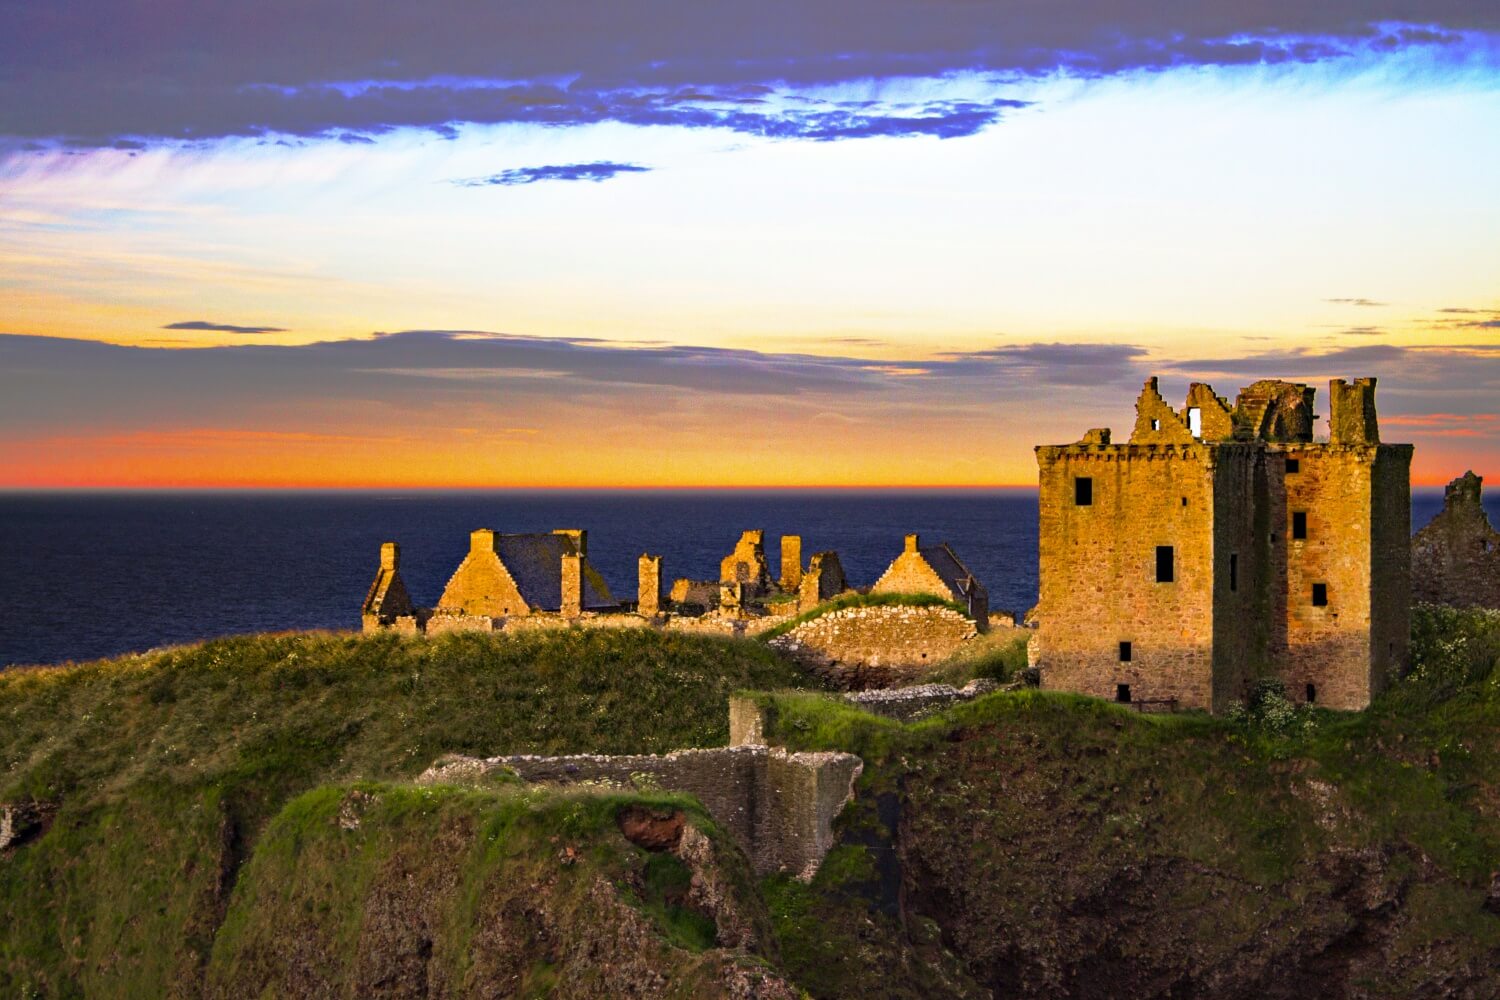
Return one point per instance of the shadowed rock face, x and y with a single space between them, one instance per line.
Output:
1455 559
653 829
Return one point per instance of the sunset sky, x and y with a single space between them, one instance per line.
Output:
307 243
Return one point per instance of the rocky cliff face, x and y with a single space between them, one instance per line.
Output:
1044 846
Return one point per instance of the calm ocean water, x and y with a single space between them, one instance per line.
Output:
87 574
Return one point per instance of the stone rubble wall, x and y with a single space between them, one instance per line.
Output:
778 806
879 636
1455 558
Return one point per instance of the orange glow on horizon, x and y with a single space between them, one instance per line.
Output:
528 458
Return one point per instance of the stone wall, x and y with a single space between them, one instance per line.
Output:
1456 557
823 581
648 585
1354 502
778 806
747 564
1098 580
870 646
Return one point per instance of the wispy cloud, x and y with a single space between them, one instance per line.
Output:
598 171
205 325
1368 303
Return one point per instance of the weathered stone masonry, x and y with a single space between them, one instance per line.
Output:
1223 544
1456 557
778 806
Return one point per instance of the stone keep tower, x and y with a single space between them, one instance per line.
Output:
1220 545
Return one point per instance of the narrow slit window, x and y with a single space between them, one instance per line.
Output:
1122 693
1164 564
1312 693
1320 595
1125 652
1293 465
1299 524
1234 571
1083 491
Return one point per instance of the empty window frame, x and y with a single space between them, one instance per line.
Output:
1320 595
1083 491
1234 571
1165 564
1299 525
1293 465
1195 421
1125 651
1312 693
1155 424
1122 693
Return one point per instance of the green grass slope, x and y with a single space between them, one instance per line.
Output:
1035 845
233 819
166 768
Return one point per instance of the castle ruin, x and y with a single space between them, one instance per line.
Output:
1224 544
1455 559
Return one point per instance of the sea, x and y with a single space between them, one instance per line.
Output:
85 575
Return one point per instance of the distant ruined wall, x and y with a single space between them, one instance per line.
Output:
648 586
1455 559
778 806
890 636
747 564
823 581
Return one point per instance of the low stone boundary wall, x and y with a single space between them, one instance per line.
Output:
909 704
778 806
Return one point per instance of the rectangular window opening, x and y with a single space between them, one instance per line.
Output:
1125 652
1122 693
1164 567
1156 425
1293 465
1234 571
1320 595
1195 421
1184 501
1312 693
1299 524
1083 491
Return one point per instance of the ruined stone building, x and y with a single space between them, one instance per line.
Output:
1223 544
745 577
388 604
823 581
1455 559
501 577
935 570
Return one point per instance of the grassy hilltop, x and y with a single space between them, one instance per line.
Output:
234 819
